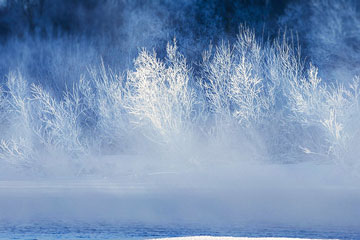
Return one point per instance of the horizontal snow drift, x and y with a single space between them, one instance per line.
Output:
232 238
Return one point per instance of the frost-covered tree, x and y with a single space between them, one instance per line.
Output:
3 110
16 142
108 101
58 122
160 99
331 109
234 83
254 96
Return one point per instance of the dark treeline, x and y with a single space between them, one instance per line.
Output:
91 17
38 36
51 33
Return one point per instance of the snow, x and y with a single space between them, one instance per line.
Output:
229 238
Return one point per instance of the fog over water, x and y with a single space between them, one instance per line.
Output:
216 113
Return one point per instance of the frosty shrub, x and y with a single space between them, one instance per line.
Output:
255 98
234 83
58 121
332 109
3 111
37 122
16 140
108 103
160 99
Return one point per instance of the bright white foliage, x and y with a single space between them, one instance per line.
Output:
159 95
58 122
333 109
262 92
108 103
16 141
234 83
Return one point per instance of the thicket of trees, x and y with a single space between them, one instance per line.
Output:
73 89
249 88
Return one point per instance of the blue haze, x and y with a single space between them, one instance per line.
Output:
204 114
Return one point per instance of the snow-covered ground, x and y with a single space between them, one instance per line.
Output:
231 238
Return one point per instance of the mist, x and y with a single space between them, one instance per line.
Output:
201 113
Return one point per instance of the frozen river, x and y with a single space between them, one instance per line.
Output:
271 201
48 231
